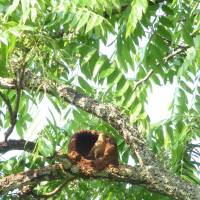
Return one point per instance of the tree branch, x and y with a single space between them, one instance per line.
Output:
141 81
7 102
179 50
176 52
56 190
133 175
13 119
68 171
17 145
124 173
13 113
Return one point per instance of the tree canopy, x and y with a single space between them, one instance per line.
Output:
55 51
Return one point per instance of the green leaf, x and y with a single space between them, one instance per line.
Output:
44 149
155 52
4 38
20 130
125 156
121 60
160 137
55 104
114 77
126 53
25 9
166 22
186 87
78 116
167 10
33 14
187 37
41 4
93 21
14 31
136 110
122 87
197 42
105 73
25 28
159 42
130 97
156 79
12 8
164 32
98 65
3 60
88 56
83 20
84 85
138 7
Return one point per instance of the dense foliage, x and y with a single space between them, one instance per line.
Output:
150 42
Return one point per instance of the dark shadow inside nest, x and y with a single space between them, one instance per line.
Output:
84 144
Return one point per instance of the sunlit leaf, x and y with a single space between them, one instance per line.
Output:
138 7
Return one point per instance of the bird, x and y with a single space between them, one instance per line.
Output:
98 148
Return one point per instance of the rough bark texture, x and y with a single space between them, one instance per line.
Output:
158 178
17 145
67 170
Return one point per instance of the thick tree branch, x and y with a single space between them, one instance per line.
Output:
17 145
19 180
161 179
137 175
68 171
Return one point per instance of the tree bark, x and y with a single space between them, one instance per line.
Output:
124 173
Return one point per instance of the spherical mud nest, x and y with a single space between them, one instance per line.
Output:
81 145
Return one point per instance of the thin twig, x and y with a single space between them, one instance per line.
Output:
141 81
13 113
174 53
7 102
13 119
166 59
55 191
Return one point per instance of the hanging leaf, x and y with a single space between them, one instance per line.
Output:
93 21
164 32
83 20
84 85
12 8
138 7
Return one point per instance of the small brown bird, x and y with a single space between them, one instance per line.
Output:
99 147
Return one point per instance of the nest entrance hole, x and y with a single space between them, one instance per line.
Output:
85 142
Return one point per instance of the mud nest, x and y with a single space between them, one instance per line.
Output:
80 147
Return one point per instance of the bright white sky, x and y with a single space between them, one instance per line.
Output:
159 102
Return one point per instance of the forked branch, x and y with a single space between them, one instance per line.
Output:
14 111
